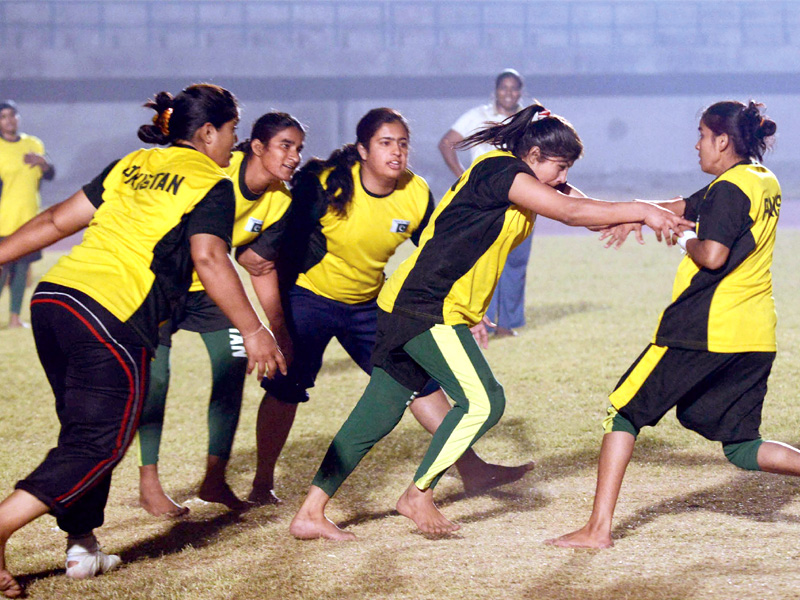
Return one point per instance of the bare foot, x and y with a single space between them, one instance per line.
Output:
263 496
583 538
307 526
419 507
8 585
221 493
152 497
488 476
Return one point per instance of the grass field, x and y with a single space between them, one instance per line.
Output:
689 525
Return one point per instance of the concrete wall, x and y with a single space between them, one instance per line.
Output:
634 145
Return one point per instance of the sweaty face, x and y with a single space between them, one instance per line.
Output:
507 95
282 153
551 171
387 155
9 123
222 145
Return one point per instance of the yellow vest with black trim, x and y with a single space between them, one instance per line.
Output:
452 275
731 309
358 246
145 198
19 194
252 215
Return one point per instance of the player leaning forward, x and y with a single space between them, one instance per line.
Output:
440 291
715 344
151 216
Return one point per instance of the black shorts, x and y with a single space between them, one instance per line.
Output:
718 395
198 313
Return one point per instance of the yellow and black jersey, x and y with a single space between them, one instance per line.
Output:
344 256
135 257
730 309
19 183
261 216
451 277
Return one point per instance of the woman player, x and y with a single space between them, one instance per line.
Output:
95 315
715 344
443 288
352 212
259 167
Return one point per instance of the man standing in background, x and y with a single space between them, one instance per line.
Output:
507 308
23 164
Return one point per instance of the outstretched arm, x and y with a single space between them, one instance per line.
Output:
529 193
615 236
48 227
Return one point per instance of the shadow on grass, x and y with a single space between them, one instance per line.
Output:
540 315
756 496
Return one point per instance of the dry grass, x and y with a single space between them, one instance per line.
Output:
689 525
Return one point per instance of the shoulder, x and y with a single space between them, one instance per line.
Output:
237 159
32 141
413 182
752 179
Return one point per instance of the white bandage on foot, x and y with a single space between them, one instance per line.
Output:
87 559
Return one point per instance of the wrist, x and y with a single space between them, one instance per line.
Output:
255 332
685 237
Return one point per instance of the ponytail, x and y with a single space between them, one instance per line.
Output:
533 126
179 117
158 132
339 186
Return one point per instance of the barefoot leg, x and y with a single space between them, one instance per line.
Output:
152 497
275 419
310 521
16 511
418 506
615 454
214 487
476 474
780 458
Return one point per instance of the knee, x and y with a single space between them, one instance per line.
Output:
744 454
497 404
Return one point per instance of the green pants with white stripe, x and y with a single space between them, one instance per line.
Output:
451 356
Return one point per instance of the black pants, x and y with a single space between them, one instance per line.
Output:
98 369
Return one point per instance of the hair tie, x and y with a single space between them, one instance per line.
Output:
542 114
161 120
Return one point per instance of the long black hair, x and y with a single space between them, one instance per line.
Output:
268 126
532 126
749 130
179 117
339 186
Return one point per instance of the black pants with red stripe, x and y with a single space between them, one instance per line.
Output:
98 368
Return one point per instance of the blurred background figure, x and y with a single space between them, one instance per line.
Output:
507 308
23 164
